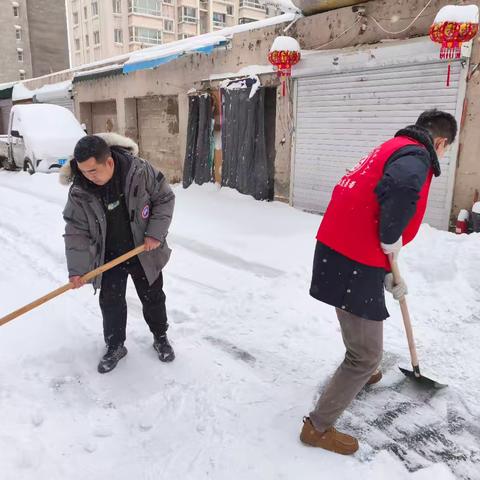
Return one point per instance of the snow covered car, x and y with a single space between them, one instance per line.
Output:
41 138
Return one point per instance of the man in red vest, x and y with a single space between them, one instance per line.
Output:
376 208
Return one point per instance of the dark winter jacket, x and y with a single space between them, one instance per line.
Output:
356 287
404 175
149 201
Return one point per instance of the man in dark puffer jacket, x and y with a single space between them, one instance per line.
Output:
116 202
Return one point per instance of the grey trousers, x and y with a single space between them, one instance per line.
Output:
363 340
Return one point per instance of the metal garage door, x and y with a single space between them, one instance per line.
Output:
341 116
158 133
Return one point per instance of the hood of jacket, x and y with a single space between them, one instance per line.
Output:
68 171
423 136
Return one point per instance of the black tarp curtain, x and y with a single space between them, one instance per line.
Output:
198 165
244 153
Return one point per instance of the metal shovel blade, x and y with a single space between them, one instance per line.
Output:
420 379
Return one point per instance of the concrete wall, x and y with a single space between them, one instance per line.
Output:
48 36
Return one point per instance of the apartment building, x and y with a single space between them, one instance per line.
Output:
101 29
34 38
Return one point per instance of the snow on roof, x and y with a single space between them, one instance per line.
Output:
54 90
458 13
284 5
179 47
21 92
3 86
107 68
42 94
175 49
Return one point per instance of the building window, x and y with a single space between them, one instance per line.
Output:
96 37
168 25
118 35
145 7
117 6
77 44
21 74
145 35
94 9
16 10
219 19
243 20
85 13
230 10
87 41
183 36
19 54
187 14
168 2
18 32
75 18
255 4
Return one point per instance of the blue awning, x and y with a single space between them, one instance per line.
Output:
155 62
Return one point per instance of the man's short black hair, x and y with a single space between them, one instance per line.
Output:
439 124
91 146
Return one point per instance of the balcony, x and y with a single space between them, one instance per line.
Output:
185 19
252 4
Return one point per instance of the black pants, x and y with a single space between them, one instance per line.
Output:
114 305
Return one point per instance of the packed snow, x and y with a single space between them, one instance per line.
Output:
253 351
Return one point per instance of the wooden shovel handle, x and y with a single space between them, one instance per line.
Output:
397 278
87 277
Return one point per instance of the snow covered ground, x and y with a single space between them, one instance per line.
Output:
253 350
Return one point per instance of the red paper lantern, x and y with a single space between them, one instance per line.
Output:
285 53
453 26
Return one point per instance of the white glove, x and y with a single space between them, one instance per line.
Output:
394 248
399 290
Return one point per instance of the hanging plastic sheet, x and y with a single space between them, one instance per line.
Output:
198 165
245 164
192 134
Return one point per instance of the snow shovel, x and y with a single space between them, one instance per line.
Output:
415 374
87 277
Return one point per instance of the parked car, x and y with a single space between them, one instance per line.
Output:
41 138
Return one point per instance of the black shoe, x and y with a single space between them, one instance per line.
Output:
111 358
163 348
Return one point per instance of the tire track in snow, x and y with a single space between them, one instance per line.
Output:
218 255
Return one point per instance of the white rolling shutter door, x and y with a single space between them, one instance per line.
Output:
340 117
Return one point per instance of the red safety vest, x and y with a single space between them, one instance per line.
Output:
350 225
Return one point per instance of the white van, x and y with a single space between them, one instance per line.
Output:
41 138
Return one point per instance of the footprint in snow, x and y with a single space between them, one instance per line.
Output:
102 431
